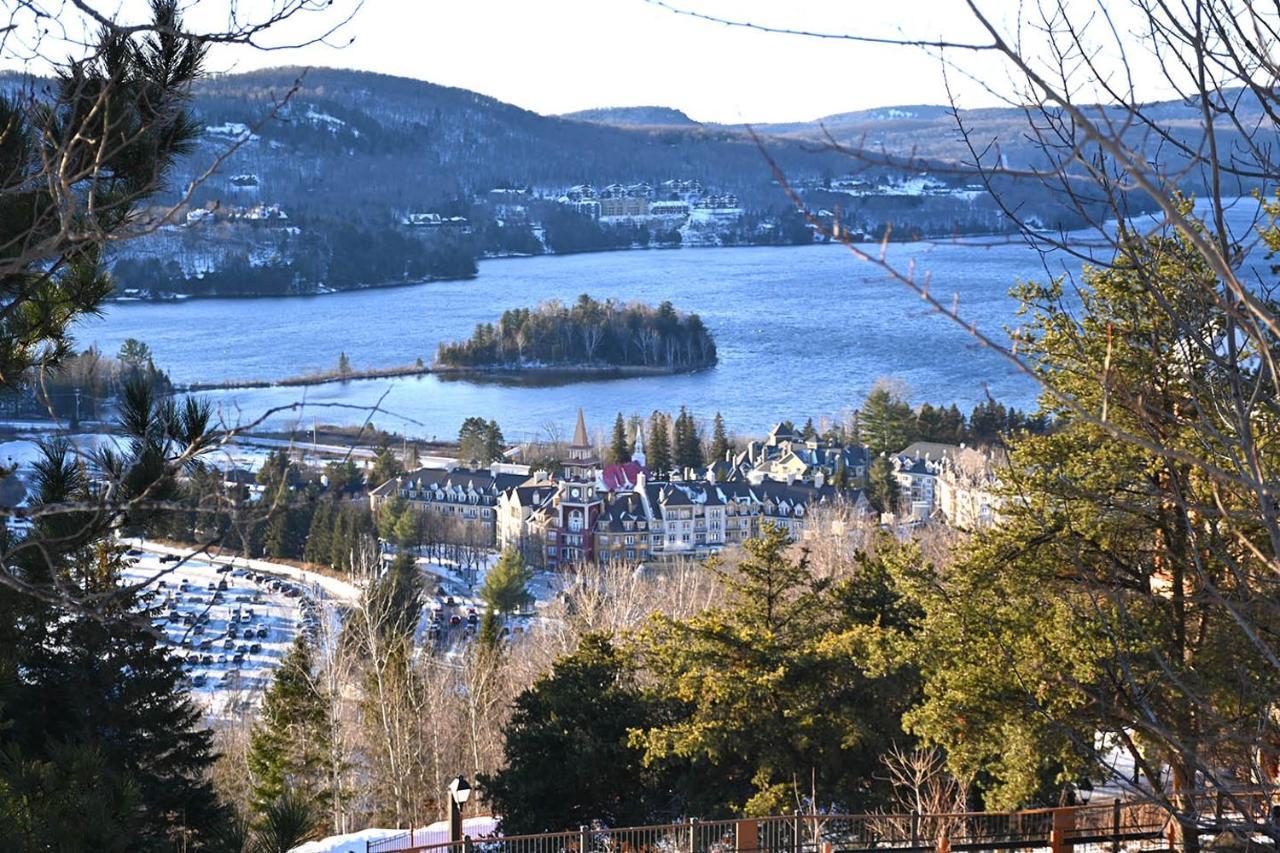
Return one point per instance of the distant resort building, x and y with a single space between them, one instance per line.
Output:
598 513
592 512
466 497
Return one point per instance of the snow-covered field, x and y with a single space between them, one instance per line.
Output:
230 626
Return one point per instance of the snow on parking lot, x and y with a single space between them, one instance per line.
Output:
230 626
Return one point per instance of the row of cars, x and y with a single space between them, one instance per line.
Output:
229 626
450 618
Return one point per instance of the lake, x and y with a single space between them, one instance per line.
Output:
801 331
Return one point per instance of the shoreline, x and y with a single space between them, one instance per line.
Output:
518 257
312 379
551 375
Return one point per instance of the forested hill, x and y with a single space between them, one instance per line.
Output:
360 140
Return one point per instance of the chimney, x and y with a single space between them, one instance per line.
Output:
819 479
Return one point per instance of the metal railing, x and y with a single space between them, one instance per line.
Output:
1109 827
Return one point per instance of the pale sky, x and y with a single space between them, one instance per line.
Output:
554 56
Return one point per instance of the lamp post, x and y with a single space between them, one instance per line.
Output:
459 791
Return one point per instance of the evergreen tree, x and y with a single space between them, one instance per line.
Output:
506 584
658 445
989 422
810 432
620 445
479 441
319 546
493 442
885 422
99 690
344 364
568 760
386 466
285 752
791 675
398 595
720 446
1122 592
882 486
688 446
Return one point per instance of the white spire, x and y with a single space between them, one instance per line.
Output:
637 455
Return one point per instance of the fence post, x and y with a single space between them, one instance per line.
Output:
747 837
915 829
1115 825
1063 821
795 832
693 834
1217 810
582 838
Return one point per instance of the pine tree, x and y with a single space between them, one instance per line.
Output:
886 422
398 595
79 690
720 446
882 485
770 682
344 364
493 442
505 587
810 432
319 547
658 445
619 446
688 446
581 712
285 747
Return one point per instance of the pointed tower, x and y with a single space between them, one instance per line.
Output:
637 455
580 502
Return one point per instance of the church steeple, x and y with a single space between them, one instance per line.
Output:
637 455
581 464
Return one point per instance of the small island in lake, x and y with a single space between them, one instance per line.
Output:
587 338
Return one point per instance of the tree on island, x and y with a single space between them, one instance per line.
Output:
586 334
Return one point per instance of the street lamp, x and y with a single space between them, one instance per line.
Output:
459 791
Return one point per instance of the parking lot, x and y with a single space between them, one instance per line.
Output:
229 626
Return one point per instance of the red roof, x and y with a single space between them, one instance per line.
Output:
621 476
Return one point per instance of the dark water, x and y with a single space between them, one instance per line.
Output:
801 331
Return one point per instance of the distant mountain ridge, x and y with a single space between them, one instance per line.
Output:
634 117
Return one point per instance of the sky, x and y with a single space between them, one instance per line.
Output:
555 56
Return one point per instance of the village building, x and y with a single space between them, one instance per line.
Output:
967 491
596 513
463 498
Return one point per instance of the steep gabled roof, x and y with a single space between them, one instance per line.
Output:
580 432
